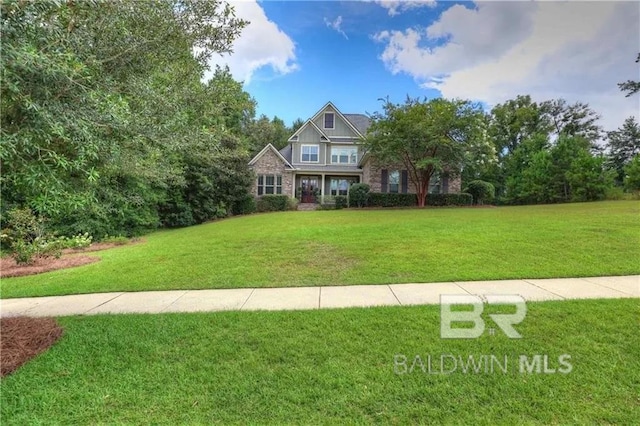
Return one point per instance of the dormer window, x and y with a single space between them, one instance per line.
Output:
329 120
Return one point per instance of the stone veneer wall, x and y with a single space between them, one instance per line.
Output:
372 174
271 164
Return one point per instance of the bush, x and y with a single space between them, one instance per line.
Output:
378 199
359 194
481 191
614 193
632 175
246 205
292 203
440 200
340 202
273 203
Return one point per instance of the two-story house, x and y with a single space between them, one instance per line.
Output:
325 156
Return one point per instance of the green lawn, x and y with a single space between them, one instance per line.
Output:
364 247
330 366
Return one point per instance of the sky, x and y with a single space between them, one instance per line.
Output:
295 56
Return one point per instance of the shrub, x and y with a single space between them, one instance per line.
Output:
440 200
481 191
246 205
614 193
632 175
358 194
378 199
292 203
273 203
77 241
340 202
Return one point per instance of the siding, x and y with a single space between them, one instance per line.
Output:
341 127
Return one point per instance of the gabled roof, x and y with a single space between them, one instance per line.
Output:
308 123
287 152
341 115
272 148
359 121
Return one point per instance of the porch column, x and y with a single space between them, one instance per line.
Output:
322 189
293 185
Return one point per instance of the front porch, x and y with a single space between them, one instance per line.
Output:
323 188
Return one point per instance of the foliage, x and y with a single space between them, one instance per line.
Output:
632 175
273 203
341 202
443 200
427 137
631 86
107 126
378 199
24 235
481 191
624 144
263 131
358 194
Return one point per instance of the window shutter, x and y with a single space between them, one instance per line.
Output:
445 185
384 179
404 181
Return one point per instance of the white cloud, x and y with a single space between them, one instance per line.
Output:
261 44
336 25
577 51
395 7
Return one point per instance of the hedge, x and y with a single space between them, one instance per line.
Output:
461 199
377 199
274 203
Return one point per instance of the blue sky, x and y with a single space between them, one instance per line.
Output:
297 55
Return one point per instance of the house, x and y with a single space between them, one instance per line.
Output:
325 156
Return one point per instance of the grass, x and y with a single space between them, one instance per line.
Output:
364 247
329 366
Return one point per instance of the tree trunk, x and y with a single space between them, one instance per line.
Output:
422 191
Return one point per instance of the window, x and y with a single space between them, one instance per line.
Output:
344 155
269 184
309 153
340 186
394 181
328 120
435 184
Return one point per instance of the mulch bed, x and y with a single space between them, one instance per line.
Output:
22 338
9 267
69 259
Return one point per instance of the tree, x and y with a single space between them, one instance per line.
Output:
624 145
427 137
298 122
263 131
102 107
572 120
630 86
632 174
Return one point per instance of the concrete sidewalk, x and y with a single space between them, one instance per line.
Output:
247 299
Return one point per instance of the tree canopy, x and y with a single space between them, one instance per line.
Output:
425 136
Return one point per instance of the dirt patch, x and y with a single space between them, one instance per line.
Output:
9 267
22 338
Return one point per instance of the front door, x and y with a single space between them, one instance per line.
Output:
309 185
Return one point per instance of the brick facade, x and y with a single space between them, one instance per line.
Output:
271 164
372 175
